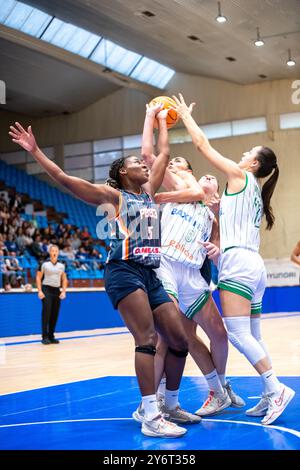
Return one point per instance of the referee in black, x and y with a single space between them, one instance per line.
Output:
49 279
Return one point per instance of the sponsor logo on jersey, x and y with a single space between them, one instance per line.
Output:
145 213
180 247
181 213
147 250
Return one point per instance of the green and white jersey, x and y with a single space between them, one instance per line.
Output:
184 228
240 216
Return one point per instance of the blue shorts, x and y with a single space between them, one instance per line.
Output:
124 277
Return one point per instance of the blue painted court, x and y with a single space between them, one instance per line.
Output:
96 414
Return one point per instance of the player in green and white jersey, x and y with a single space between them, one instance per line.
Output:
242 275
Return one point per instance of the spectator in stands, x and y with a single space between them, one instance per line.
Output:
50 277
4 212
15 202
295 256
4 272
98 261
60 230
31 229
82 257
35 248
75 241
13 271
68 252
85 234
2 242
20 241
11 244
34 222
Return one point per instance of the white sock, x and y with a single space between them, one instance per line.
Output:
270 381
161 390
213 382
222 378
150 406
256 332
171 399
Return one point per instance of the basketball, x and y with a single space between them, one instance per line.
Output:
168 103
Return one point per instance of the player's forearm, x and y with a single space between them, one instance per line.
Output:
181 196
198 137
163 139
147 139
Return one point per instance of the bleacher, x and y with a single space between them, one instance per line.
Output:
71 210
79 213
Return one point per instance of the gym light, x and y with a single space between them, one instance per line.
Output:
290 62
220 18
259 42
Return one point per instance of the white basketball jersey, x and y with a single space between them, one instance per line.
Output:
184 227
240 216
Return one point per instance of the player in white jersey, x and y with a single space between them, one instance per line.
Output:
242 275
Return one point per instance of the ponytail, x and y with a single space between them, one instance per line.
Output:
268 163
266 194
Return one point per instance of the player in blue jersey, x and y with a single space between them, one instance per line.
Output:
242 275
131 282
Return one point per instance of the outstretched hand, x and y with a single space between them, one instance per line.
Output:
154 109
24 138
181 107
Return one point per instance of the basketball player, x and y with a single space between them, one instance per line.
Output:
186 231
130 280
242 275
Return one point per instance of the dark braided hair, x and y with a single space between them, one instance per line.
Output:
268 163
114 173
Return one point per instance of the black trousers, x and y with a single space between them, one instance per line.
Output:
50 311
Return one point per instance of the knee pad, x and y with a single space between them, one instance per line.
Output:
176 353
239 335
146 349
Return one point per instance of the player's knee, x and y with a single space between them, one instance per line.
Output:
181 353
219 335
236 341
146 337
180 343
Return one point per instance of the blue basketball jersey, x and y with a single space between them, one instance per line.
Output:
135 231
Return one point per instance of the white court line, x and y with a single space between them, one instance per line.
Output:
278 428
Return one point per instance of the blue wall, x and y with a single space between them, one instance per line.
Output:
20 314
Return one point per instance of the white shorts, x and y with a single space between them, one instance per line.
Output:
243 272
185 284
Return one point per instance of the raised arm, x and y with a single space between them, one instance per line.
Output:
191 193
88 192
227 166
161 161
170 180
